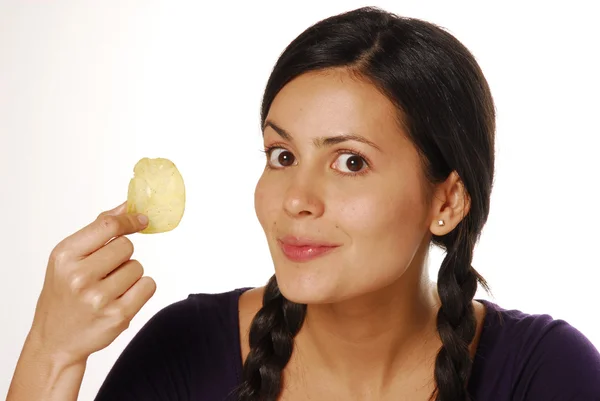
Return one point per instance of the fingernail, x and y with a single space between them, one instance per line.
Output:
143 219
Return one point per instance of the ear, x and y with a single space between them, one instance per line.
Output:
450 204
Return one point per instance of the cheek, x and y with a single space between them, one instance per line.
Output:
265 202
384 221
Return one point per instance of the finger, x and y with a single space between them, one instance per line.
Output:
108 258
122 208
68 241
104 228
121 279
136 297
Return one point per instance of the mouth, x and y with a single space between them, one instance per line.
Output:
299 249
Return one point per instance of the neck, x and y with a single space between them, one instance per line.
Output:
366 341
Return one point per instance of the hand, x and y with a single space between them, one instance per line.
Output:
92 289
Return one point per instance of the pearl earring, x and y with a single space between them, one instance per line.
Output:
441 222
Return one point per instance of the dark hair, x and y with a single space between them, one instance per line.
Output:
445 106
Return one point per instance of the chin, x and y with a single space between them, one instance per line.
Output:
326 282
304 284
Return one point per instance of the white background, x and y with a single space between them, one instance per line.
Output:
88 88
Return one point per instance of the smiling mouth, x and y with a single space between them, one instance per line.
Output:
303 250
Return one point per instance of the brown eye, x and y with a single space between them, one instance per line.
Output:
354 163
350 163
279 157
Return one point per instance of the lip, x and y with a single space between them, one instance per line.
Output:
298 249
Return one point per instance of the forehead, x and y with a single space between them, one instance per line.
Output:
334 102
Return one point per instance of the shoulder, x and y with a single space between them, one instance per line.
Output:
249 304
199 314
536 356
188 347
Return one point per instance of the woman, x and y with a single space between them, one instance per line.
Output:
379 139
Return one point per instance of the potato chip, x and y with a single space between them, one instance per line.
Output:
158 191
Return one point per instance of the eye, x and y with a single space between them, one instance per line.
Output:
350 163
279 157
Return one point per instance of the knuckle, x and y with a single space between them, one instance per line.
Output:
150 283
59 254
119 317
100 215
125 244
136 266
148 287
109 224
97 299
122 246
77 281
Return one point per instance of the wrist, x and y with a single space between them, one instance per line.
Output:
44 374
56 359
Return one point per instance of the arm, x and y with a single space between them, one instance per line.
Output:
565 366
43 377
150 368
91 291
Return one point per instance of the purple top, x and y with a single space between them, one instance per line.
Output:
190 351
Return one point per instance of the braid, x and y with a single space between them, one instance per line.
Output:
276 324
271 343
456 322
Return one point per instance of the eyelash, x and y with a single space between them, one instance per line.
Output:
267 151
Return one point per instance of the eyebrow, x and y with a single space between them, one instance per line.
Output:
322 141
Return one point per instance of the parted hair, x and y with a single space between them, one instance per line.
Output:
445 106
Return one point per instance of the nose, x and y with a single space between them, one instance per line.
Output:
302 199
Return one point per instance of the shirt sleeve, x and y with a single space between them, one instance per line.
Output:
564 366
151 367
188 351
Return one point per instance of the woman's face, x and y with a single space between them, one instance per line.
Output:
342 200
